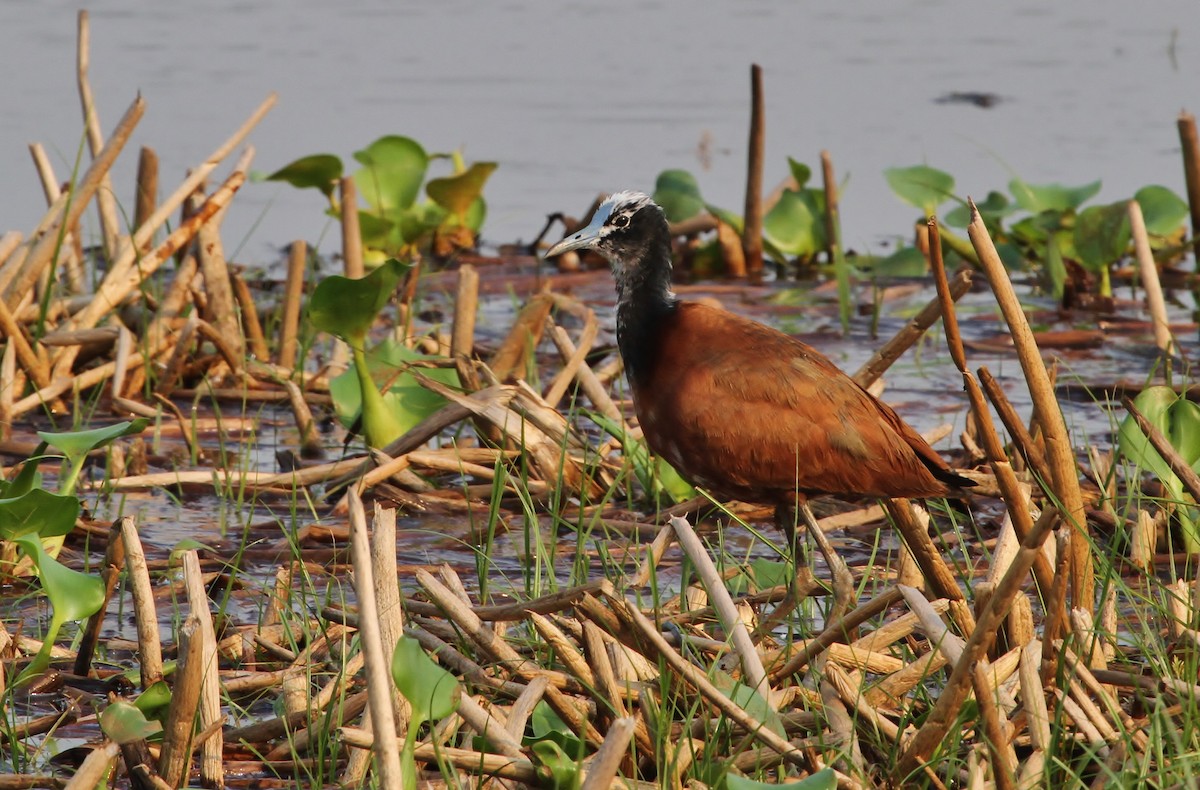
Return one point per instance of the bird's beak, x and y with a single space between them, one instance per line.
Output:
580 240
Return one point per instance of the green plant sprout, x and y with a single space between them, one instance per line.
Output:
395 223
430 690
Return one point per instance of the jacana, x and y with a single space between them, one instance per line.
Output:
738 408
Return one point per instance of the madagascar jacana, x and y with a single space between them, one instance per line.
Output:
738 408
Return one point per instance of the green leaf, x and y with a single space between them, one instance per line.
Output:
155 701
76 444
39 513
430 690
319 171
347 308
124 722
921 186
904 262
825 779
678 194
770 573
565 772
800 172
655 475
1051 197
796 223
1102 235
393 170
1056 270
992 210
1163 210
457 194
406 401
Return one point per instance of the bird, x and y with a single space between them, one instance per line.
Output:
739 408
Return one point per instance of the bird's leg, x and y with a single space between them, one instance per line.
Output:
785 522
843 580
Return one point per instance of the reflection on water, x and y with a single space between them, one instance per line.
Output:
575 98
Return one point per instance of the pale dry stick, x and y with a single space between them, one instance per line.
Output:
891 690
379 681
752 232
15 263
310 439
1058 441
106 201
1187 476
1088 641
596 392
951 645
147 187
94 768
177 745
1087 728
654 554
236 478
563 648
937 573
843 581
72 266
466 306
1004 757
841 730
73 203
946 709
570 371
1149 271
852 696
727 614
220 310
251 326
145 614
89 378
1106 693
1033 696
601 771
524 705
120 282
896 629
179 357
9 243
212 769
232 356
890 351
467 760
8 389
696 678
293 295
490 728
124 347
352 250
1017 430
1189 143
836 631
38 371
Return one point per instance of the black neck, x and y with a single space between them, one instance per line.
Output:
644 300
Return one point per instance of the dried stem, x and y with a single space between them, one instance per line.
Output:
753 228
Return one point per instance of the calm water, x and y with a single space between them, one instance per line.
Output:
575 98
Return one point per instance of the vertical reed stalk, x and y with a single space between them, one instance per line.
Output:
1149 271
106 200
147 187
352 252
833 233
292 297
1190 144
752 231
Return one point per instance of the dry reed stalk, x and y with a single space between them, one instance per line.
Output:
72 265
220 310
1041 391
251 326
106 201
9 242
1020 435
1178 465
95 767
176 754
937 573
310 439
352 251
946 709
752 230
835 632
694 677
146 197
114 558
890 351
890 690
89 378
511 359
654 554
610 700
480 763
563 648
466 306
522 708
570 370
212 772
180 352
1189 143
145 615
1149 271
293 296
727 614
231 356
33 267
850 693
8 389
1004 757
595 391
379 682
601 771
123 280
37 370
731 250
490 728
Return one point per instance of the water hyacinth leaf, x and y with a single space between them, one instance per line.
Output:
124 722
824 779
430 690
1051 197
655 475
1102 235
155 701
1163 210
393 170
795 225
992 210
678 194
770 573
921 186
1056 270
547 725
456 194
319 171
37 512
76 444
347 308
904 262
757 706
405 398
801 172
566 773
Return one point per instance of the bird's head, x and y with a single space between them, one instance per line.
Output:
629 229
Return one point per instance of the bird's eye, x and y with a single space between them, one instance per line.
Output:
620 221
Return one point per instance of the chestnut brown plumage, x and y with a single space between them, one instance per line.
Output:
741 409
